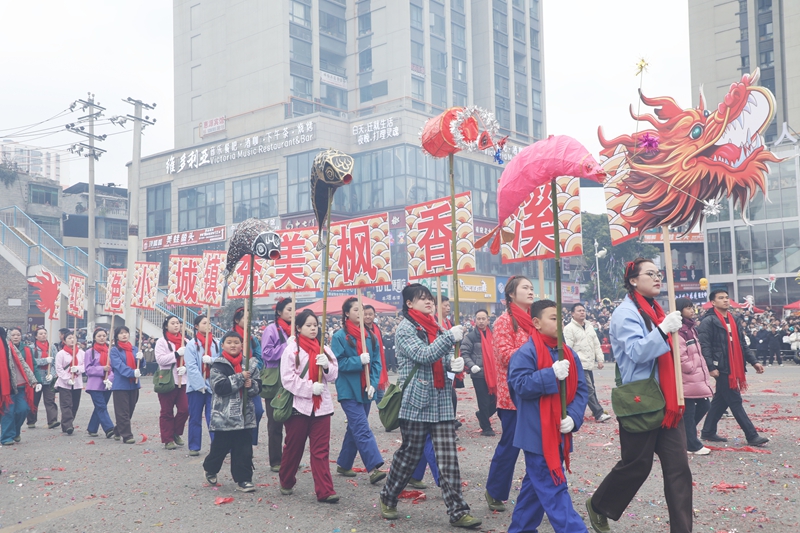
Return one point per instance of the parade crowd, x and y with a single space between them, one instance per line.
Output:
514 364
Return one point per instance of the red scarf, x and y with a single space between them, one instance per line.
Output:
130 360
6 387
311 347
489 364
176 339
235 361
384 381
101 349
428 322
522 318
550 407
201 338
44 347
74 353
284 326
353 330
29 361
736 379
666 370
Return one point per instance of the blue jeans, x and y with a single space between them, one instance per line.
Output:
378 396
199 404
359 437
259 407
14 416
501 471
428 459
100 415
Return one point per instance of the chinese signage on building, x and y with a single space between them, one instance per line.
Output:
377 130
479 289
184 238
214 125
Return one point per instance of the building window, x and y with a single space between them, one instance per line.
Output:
521 93
743 34
418 54
536 69
437 24
538 128
416 17
501 54
298 168
50 224
301 87
764 5
365 60
255 197
116 229
300 14
417 89
500 85
438 61
459 35
522 124
537 100
534 38
159 210
40 194
374 91
519 30
459 100
300 51
459 70
503 118
500 21
332 96
767 59
765 31
365 23
115 259
745 62
201 207
439 95
333 25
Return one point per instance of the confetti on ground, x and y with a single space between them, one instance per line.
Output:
415 495
726 487
749 449
220 500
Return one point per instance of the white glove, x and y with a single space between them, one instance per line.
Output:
181 351
48 378
567 424
458 333
37 387
671 323
71 382
181 370
206 359
322 361
370 392
107 383
137 373
317 389
561 369
475 369
139 356
73 370
48 360
364 358
457 365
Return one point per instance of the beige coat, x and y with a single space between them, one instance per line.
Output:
585 342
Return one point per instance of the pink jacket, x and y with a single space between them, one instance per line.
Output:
696 380
165 357
63 363
302 388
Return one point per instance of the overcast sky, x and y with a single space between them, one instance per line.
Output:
56 51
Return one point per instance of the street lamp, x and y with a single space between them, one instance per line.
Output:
597 256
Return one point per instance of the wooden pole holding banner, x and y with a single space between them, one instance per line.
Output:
75 332
50 329
562 384
183 336
454 288
208 336
541 279
326 268
363 334
439 300
141 335
246 318
676 355
105 374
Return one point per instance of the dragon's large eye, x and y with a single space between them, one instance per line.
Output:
706 113
696 132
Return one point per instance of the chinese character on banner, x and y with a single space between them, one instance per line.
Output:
300 266
183 275
76 304
211 282
47 289
239 280
115 291
533 225
360 253
145 284
429 237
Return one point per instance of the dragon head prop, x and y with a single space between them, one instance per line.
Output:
252 237
664 175
47 288
331 169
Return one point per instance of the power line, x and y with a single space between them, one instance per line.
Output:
27 127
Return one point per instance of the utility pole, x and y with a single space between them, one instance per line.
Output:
139 123
93 154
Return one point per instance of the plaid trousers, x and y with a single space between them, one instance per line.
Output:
408 455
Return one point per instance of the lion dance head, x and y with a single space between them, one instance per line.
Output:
701 155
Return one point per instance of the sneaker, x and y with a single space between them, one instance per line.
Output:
117 437
286 492
178 440
17 438
211 478
599 522
170 446
780 364
758 441
92 434
458 424
54 425
713 438
346 472
194 453
701 451
275 468
333 498
127 441
376 475
31 426
494 505
245 486
110 433
387 430
389 513
70 431
603 417
488 433
416 484
466 521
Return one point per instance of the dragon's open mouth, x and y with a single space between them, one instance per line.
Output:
741 138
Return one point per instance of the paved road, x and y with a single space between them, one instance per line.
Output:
58 483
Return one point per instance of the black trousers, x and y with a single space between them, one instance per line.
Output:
724 398
487 403
70 400
623 482
240 443
696 409
124 406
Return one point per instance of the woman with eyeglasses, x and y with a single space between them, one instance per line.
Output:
640 334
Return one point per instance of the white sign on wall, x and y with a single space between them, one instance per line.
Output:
377 130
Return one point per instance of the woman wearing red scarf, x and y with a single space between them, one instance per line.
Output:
17 384
69 369
127 365
640 336
44 355
427 407
255 352
355 392
313 407
170 350
512 329
546 439
198 387
98 383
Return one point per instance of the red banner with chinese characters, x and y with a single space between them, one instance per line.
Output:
116 280
47 290
145 284
239 280
534 237
184 271
211 281
429 234
360 252
184 238
76 304
300 267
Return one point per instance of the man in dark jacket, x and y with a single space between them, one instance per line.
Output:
723 345
775 342
482 369
762 345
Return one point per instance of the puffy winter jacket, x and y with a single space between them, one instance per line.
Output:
696 379
583 340
227 385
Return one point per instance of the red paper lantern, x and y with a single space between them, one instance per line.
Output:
437 139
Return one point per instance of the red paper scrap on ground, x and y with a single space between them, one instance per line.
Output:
770 390
90 442
358 469
221 500
742 449
415 495
726 487
144 438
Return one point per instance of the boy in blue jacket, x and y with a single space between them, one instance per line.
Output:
534 375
